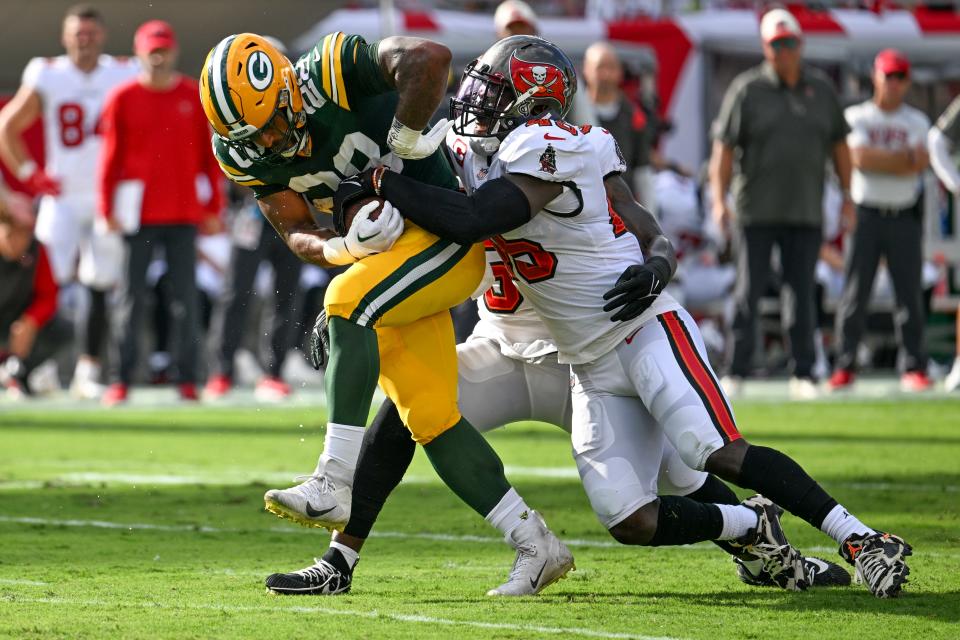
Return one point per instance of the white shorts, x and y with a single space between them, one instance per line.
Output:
496 390
656 383
65 225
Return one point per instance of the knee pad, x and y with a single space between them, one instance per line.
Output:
691 432
676 477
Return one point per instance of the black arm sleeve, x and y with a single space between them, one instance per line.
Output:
496 207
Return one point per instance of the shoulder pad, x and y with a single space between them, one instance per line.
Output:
34 70
607 149
233 165
545 149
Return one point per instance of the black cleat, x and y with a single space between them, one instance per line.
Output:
781 562
819 573
321 579
880 561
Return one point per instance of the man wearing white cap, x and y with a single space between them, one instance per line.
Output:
779 124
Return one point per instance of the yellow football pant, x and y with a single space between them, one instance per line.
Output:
406 294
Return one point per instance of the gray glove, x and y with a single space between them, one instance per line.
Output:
320 342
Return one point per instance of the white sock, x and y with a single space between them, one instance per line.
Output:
737 521
342 445
348 554
840 525
509 513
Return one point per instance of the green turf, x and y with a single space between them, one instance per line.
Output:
192 564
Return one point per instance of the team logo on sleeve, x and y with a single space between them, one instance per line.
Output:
616 145
546 80
548 160
259 70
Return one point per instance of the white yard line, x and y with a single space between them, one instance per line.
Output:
199 476
371 615
398 535
25 583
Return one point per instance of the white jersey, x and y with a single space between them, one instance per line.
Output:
72 101
903 128
568 255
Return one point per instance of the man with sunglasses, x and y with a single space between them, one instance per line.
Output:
778 126
888 149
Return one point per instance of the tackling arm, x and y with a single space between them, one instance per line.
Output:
640 222
498 206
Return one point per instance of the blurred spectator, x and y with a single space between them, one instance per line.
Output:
888 151
253 242
68 92
158 182
615 112
704 282
942 141
30 332
516 18
779 124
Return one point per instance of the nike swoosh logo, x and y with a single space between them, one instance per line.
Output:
633 335
535 581
313 513
547 136
361 238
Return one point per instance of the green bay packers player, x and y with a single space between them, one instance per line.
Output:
292 132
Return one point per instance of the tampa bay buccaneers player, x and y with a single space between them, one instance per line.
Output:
535 188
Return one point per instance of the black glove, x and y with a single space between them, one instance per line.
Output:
350 190
320 342
637 287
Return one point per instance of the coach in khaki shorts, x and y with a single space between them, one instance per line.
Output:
887 144
778 125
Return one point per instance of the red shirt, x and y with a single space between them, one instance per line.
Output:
163 139
43 303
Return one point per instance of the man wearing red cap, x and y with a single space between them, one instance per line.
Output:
888 148
778 126
158 182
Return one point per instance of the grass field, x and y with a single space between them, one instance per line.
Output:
146 523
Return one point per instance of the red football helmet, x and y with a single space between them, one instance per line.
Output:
517 79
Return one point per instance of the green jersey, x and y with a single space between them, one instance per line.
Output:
350 108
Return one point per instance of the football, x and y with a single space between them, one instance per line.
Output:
353 208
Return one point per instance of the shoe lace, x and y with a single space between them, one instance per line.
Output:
525 555
326 485
319 572
872 565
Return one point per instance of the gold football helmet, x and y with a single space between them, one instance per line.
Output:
248 85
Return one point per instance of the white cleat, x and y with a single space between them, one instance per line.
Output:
952 381
802 389
732 386
542 559
322 500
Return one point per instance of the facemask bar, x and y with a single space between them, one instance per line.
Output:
482 100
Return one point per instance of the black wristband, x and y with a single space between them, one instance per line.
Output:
660 266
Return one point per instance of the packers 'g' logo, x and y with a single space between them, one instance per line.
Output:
259 70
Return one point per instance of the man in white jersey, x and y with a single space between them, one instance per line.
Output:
67 92
888 149
536 188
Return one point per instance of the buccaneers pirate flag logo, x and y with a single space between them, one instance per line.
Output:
545 80
548 160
